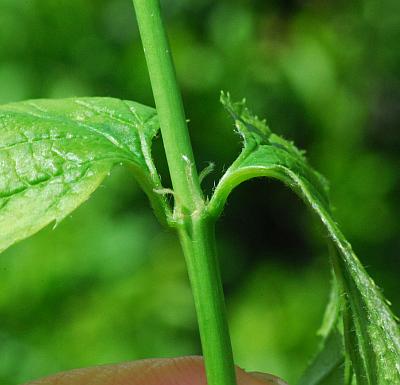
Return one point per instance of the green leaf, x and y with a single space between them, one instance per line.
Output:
55 153
372 333
328 366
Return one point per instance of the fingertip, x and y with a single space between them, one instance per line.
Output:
168 371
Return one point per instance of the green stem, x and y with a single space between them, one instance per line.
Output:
198 243
169 104
192 218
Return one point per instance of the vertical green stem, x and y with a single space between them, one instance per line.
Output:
195 228
198 243
169 104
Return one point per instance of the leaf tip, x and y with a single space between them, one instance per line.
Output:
248 124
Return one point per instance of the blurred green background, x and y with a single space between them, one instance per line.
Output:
109 284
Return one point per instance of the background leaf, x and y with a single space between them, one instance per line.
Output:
328 366
373 337
55 153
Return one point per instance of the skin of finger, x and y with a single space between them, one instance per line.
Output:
169 371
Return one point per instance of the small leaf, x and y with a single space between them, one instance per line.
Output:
328 366
55 153
372 333
248 126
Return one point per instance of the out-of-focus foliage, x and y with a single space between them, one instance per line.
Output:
109 284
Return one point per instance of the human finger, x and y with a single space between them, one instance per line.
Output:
171 371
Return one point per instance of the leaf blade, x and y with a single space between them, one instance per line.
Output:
374 349
55 153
